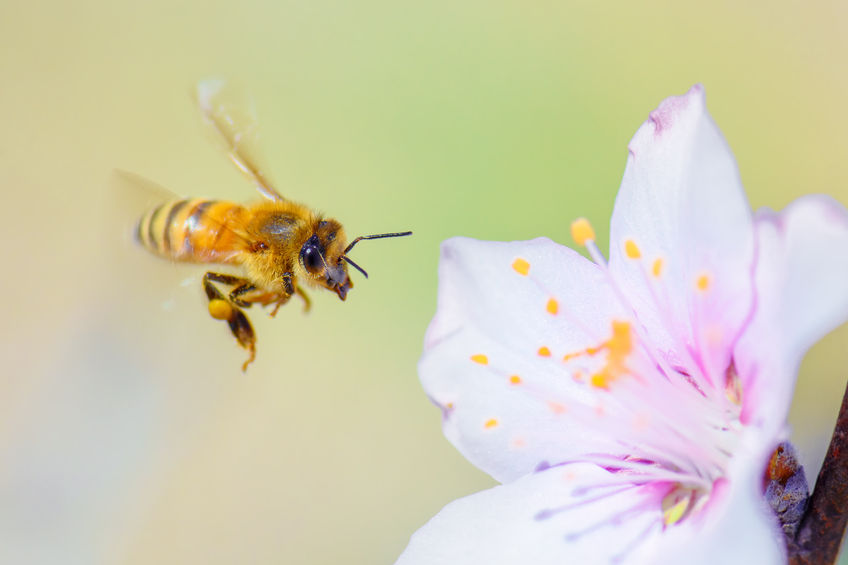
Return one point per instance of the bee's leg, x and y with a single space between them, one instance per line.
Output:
243 288
288 288
230 280
288 283
282 300
240 286
222 309
307 303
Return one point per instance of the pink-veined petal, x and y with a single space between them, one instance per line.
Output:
506 406
802 294
571 514
682 205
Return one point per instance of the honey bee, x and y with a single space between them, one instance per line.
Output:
279 245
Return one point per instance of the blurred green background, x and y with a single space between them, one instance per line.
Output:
128 434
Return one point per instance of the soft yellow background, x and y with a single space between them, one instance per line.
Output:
128 434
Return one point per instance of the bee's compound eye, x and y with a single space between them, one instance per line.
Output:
312 260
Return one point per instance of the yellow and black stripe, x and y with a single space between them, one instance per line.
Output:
168 229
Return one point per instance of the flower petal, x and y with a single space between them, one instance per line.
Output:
493 353
802 294
687 271
567 514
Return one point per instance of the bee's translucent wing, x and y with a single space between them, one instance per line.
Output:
142 188
236 123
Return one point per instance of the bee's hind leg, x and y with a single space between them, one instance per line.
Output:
222 309
241 289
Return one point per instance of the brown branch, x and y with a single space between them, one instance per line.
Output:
823 525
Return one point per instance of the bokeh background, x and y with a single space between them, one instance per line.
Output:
128 434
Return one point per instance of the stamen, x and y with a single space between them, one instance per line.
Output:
480 358
548 513
733 385
491 423
632 250
613 521
521 266
601 380
660 298
703 282
584 235
552 307
544 351
582 232
639 472
514 380
677 504
657 267
618 347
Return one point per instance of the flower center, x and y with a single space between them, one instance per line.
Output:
664 428
680 423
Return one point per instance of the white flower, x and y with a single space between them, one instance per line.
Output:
630 408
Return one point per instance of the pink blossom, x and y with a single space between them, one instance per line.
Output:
629 407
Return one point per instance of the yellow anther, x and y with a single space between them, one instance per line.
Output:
600 380
733 385
480 358
581 231
490 423
220 309
703 282
620 344
552 307
631 249
515 380
521 266
621 335
657 267
676 505
544 351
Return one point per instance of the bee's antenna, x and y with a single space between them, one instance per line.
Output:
375 236
357 267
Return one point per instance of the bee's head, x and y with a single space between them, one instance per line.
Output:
322 257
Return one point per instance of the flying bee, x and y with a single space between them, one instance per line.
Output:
279 245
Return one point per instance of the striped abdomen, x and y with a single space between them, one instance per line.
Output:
199 230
